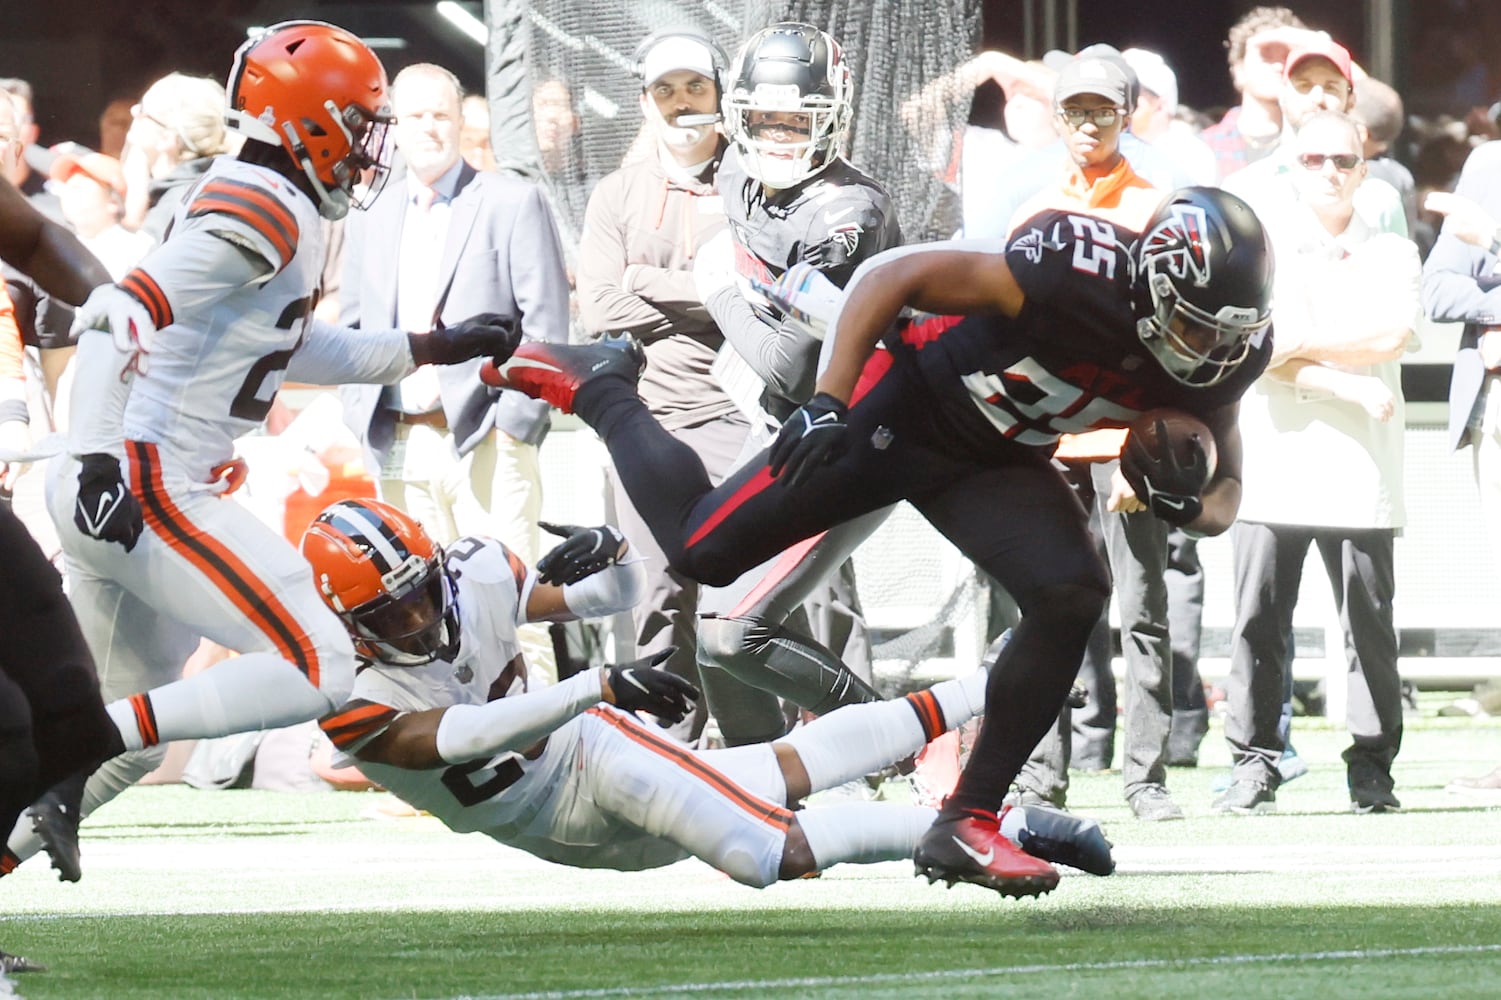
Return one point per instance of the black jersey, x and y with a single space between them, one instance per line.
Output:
834 220
1071 361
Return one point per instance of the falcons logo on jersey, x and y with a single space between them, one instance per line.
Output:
1177 245
847 236
1032 243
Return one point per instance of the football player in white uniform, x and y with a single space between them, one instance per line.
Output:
442 717
203 332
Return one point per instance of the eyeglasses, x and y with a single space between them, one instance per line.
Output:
1102 117
1341 161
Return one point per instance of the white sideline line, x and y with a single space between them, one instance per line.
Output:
891 978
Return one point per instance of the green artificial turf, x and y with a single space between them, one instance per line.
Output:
191 894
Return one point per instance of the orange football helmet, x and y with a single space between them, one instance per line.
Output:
386 579
319 93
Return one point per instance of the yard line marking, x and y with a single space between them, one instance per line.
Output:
890 978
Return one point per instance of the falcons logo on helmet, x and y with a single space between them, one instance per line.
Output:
1178 244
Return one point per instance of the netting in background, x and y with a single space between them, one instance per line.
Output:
580 51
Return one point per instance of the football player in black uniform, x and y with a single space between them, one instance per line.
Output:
1078 325
790 199
52 721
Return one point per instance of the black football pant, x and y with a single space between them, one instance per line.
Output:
1008 510
52 721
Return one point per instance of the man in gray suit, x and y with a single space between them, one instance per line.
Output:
446 243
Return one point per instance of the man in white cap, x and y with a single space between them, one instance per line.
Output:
643 228
1155 120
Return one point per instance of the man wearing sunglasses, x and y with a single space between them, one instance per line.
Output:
1322 432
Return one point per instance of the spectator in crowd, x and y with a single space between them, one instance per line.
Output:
1094 96
176 129
91 188
114 125
1258 45
1316 77
1460 286
1155 118
474 133
644 226
1039 170
1379 109
1322 438
449 242
33 162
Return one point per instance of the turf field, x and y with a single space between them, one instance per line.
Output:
190 894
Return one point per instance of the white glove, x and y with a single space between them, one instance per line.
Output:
111 308
807 298
714 265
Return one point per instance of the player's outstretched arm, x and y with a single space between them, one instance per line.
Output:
944 278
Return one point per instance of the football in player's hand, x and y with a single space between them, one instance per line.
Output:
1165 433
1168 458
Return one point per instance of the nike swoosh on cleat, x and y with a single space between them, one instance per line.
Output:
983 860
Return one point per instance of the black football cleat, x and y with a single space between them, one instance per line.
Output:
970 848
19 963
1065 839
554 372
54 818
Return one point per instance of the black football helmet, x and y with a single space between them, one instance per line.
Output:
797 68
1204 277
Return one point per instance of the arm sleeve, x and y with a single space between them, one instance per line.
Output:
101 386
334 355
476 732
786 359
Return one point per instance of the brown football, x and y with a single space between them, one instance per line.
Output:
1180 427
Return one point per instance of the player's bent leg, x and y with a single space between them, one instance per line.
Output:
654 784
859 739
745 714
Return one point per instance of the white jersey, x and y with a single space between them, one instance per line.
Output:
601 790
228 331
219 358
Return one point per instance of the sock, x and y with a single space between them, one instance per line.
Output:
859 739
863 832
240 695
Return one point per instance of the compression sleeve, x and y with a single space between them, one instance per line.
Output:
476 732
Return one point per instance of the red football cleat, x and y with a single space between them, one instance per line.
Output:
970 848
554 372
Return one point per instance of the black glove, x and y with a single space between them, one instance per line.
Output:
586 552
1170 488
485 335
106 509
811 437
637 687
